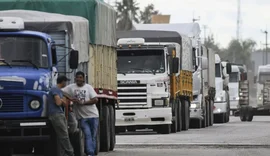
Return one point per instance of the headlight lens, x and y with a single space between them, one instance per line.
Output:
260 98
195 105
159 102
219 99
35 104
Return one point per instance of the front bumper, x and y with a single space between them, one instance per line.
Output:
196 113
220 107
234 104
151 116
24 130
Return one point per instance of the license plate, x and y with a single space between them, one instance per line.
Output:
129 119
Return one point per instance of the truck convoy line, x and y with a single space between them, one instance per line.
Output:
165 79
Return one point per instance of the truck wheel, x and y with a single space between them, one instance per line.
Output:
164 129
185 115
112 122
105 130
249 115
243 112
179 119
228 114
207 113
211 118
175 121
98 141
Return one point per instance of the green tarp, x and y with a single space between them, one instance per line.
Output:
83 8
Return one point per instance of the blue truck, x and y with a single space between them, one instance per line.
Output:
28 69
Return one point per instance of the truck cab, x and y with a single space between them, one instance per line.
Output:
262 83
234 87
28 69
222 101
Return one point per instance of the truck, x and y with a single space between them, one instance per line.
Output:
222 98
234 81
262 105
62 32
200 111
154 81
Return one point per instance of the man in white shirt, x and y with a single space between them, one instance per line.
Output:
85 110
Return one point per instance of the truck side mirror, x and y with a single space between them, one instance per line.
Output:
229 68
175 65
255 79
204 63
73 59
54 55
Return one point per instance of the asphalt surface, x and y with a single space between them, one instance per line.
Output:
235 138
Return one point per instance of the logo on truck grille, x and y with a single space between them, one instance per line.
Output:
1 103
129 82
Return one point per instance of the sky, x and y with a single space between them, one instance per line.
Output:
219 16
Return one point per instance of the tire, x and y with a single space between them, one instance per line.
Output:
220 118
211 117
243 112
77 141
249 115
164 129
179 126
207 113
228 114
185 115
112 128
174 125
105 130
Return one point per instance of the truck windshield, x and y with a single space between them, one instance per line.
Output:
141 61
23 51
264 77
218 73
234 77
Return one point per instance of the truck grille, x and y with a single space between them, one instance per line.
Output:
132 94
11 103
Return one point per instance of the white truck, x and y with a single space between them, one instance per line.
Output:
200 110
234 88
154 81
222 98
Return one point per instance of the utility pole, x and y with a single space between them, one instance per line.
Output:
266 55
238 36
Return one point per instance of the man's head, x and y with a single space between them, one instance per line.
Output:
80 78
62 81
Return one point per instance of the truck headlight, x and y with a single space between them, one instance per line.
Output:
34 104
219 99
159 102
236 98
195 105
260 98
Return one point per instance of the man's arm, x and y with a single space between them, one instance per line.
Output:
57 99
92 95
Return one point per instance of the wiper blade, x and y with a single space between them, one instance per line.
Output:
153 71
119 72
4 61
28 61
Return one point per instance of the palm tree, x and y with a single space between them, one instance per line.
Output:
146 15
127 12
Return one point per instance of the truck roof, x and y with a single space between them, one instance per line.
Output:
26 32
151 35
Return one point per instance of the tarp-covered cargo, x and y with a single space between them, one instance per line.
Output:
165 36
102 17
191 30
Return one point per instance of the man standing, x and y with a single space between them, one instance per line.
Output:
85 110
56 101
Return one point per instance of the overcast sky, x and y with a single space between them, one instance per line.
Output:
219 15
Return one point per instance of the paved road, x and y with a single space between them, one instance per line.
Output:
235 137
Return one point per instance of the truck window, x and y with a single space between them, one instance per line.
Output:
218 73
264 77
141 61
24 48
234 77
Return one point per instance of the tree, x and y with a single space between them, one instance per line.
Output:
241 51
127 12
147 14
